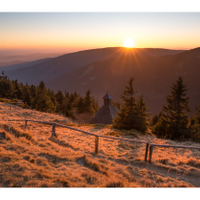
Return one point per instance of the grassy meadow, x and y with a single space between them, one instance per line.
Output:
30 158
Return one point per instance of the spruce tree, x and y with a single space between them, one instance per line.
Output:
174 121
18 93
67 108
128 96
66 94
33 95
195 125
126 117
198 114
59 98
156 118
80 105
141 111
89 103
27 96
73 98
132 114
2 88
6 89
42 101
33 90
53 98
116 104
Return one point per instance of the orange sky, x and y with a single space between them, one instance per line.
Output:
78 31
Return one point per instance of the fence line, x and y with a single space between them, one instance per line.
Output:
167 146
53 134
148 145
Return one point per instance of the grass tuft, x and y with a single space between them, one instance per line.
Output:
2 135
194 162
164 161
89 178
17 132
115 184
114 133
91 164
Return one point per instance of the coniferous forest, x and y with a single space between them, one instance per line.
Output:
171 123
46 100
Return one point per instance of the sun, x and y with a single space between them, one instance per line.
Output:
128 43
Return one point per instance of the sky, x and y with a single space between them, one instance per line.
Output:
78 31
74 31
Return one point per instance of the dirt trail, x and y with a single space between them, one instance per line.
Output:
172 173
165 171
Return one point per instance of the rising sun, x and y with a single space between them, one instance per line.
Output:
128 43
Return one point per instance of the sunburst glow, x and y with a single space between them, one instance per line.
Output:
129 43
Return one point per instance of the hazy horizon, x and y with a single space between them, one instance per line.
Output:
5 53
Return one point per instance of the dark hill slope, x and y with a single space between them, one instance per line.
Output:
153 77
8 58
51 69
17 66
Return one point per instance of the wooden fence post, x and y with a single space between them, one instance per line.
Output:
96 144
53 134
25 123
146 152
150 153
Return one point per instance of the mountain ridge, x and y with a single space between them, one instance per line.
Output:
153 77
109 69
62 64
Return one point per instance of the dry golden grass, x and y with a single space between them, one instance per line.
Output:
30 158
